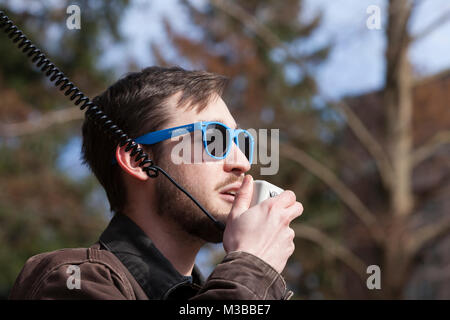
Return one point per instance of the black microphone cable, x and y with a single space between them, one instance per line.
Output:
93 112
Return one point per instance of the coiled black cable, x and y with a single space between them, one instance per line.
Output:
94 113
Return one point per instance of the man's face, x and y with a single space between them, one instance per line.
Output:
209 180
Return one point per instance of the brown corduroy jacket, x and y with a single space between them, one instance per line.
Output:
126 265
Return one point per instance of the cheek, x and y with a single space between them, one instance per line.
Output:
205 176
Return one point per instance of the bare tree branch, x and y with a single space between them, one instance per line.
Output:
332 247
341 190
427 235
248 20
40 123
430 147
443 18
368 141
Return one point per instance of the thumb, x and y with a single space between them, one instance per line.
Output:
243 198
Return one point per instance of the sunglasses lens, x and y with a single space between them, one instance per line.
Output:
245 143
217 140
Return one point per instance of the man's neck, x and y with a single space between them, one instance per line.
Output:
175 244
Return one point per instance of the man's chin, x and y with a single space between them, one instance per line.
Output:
222 217
225 206
211 234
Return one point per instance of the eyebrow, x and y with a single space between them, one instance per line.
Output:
221 121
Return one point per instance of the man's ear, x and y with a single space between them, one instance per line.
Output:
127 163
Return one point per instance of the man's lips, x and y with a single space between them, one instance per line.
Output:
229 192
227 197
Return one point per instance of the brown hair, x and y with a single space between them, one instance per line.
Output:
136 104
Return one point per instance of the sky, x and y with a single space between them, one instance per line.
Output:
356 61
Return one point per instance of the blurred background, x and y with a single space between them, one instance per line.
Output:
358 88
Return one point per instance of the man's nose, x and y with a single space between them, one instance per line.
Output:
236 161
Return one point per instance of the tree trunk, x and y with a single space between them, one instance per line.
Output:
398 103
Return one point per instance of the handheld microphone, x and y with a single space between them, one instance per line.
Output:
263 190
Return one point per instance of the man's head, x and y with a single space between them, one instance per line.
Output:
155 99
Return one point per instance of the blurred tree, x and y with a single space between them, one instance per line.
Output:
404 177
260 45
41 208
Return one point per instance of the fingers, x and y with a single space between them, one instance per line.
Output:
285 199
293 211
243 198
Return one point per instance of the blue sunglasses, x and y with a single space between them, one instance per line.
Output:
216 136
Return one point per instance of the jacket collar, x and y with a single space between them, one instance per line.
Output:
154 273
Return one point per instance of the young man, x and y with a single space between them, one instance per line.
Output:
149 248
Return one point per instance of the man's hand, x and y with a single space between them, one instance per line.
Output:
263 230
